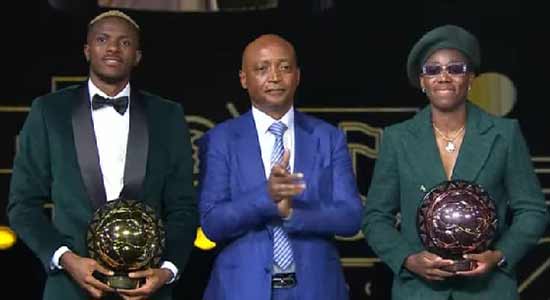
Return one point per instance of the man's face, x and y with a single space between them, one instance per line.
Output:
270 74
112 50
448 89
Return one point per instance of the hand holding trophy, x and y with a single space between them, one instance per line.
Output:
125 236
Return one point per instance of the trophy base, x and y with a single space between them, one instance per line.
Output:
120 281
123 282
461 265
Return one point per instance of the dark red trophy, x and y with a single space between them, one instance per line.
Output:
457 217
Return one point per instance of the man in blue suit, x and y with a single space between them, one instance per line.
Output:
276 186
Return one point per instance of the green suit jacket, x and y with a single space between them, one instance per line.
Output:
57 161
493 154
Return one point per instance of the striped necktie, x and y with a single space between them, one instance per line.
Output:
282 250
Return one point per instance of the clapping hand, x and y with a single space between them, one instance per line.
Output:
282 185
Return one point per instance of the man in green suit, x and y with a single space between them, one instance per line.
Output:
452 139
104 140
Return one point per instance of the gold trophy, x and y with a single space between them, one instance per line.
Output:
125 236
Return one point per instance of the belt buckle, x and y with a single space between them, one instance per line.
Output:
285 280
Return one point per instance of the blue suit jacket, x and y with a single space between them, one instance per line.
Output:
235 209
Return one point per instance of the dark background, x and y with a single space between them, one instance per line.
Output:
352 56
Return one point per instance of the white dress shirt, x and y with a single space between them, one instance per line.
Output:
111 132
267 139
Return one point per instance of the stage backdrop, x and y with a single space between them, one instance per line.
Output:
352 56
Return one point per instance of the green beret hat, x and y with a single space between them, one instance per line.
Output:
443 37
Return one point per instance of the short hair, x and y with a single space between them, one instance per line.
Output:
114 13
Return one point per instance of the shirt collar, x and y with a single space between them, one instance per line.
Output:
263 120
93 90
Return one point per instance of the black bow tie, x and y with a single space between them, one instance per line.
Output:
119 104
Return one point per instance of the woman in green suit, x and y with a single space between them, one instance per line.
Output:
452 139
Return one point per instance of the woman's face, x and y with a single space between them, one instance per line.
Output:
446 78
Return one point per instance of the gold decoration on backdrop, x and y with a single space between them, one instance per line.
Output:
359 262
358 148
59 82
539 270
197 127
494 92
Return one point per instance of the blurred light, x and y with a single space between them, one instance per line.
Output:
7 238
494 92
202 242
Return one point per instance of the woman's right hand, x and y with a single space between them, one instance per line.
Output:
428 266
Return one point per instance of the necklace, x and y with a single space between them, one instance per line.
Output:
450 147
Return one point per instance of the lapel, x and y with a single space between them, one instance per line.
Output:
423 155
86 148
305 145
476 145
137 148
248 153
87 153
474 150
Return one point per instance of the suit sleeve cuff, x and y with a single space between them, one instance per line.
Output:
172 268
56 256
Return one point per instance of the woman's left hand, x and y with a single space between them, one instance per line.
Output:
486 261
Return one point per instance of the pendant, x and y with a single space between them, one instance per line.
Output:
450 147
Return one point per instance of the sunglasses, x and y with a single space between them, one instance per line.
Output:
458 68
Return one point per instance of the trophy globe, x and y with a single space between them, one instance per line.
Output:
125 236
455 218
